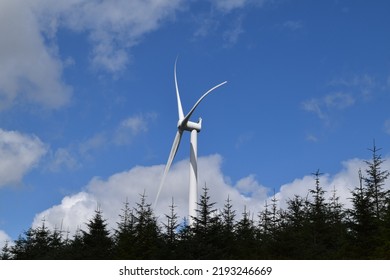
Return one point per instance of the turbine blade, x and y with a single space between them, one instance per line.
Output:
187 117
172 154
179 107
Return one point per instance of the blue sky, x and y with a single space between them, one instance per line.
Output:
88 109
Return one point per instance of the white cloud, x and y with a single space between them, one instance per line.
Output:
386 126
113 26
244 138
30 65
339 100
111 193
230 5
292 25
314 105
311 137
345 93
363 85
324 106
28 69
4 238
232 35
343 182
131 127
62 158
19 153
123 134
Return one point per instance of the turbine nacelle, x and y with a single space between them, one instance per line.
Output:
189 126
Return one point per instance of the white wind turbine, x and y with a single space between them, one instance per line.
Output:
184 124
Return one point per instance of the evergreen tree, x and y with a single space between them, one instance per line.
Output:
374 182
171 235
97 242
228 217
337 228
125 234
186 242
206 227
369 216
22 246
228 227
294 230
56 245
206 214
5 252
318 221
246 243
270 221
74 249
34 245
148 240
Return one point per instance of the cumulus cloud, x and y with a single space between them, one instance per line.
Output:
342 182
110 194
31 67
28 68
19 153
113 26
4 238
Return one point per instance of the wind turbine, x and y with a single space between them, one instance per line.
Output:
184 124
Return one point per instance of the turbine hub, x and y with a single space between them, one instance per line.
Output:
189 126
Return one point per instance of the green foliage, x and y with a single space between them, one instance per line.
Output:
5 252
147 232
96 240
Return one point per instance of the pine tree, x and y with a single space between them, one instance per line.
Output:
206 227
171 235
186 242
148 241
74 250
362 222
338 227
319 221
6 252
34 245
125 234
246 243
270 221
294 231
206 214
56 245
374 181
228 227
228 217
370 207
97 242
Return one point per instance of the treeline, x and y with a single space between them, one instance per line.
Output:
310 227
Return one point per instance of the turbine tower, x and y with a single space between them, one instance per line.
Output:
184 124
